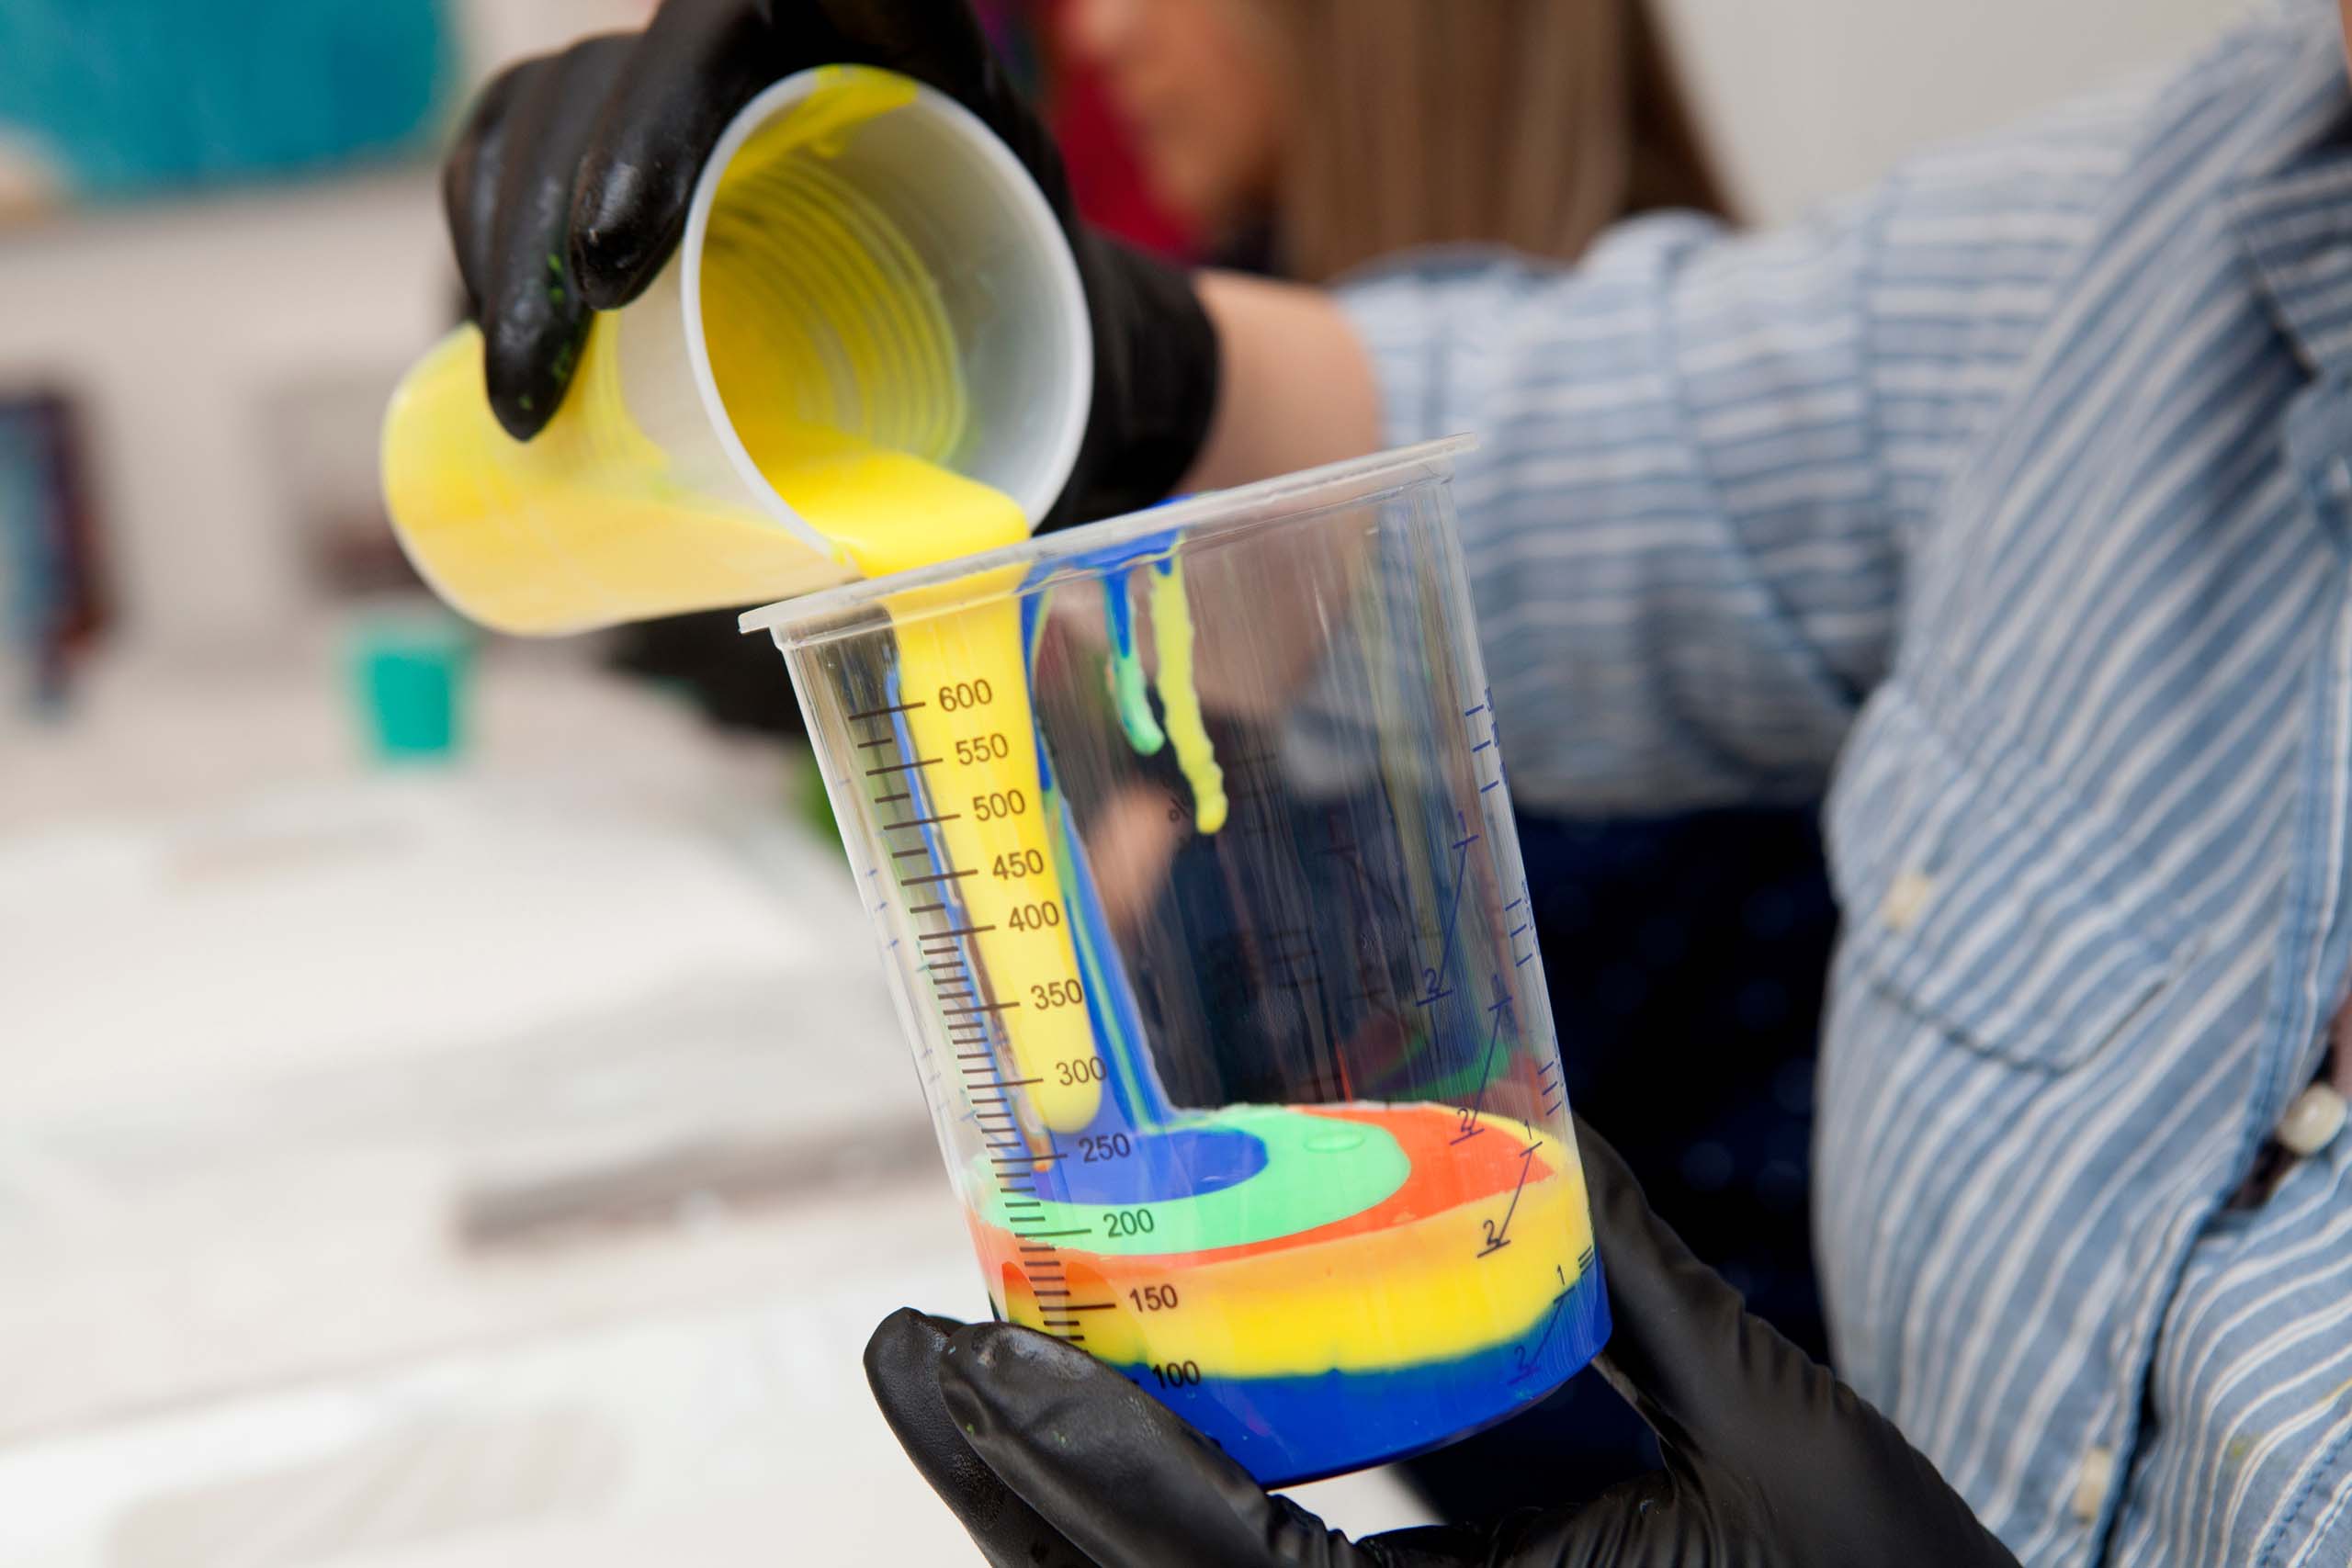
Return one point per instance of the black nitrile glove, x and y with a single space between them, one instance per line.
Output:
568 189
1052 1460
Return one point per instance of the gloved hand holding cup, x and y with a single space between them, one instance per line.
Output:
794 223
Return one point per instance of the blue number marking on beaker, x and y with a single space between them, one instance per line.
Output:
1436 986
965 966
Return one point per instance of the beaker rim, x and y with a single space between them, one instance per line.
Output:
804 619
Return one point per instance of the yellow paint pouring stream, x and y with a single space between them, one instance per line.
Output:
854 433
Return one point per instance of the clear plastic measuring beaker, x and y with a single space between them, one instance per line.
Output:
1188 842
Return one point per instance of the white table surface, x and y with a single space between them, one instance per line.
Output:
499 1165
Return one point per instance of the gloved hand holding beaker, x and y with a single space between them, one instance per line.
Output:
1053 1459
569 191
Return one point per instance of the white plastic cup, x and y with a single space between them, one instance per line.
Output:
976 226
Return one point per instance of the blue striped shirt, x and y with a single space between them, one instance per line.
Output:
2010 504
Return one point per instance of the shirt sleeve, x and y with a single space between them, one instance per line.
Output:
1706 457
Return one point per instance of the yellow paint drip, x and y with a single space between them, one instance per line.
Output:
1172 635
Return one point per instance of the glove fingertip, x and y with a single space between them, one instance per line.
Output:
625 219
997 1379
1015 1391
528 367
988 1351
908 1338
1124 1477
520 402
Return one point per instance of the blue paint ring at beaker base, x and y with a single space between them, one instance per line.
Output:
1288 1431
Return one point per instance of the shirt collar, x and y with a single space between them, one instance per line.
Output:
2292 206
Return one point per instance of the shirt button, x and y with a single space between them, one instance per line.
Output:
2091 1482
2311 1122
1907 899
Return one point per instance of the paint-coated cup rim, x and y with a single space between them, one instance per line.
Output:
819 617
1026 202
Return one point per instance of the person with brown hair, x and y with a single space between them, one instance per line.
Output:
1309 137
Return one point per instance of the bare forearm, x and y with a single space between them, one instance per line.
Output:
1295 388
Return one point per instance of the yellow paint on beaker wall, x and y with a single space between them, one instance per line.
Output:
1180 697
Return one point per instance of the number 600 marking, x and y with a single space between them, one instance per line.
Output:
965 694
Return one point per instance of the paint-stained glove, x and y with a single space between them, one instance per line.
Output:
568 188
1052 1460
